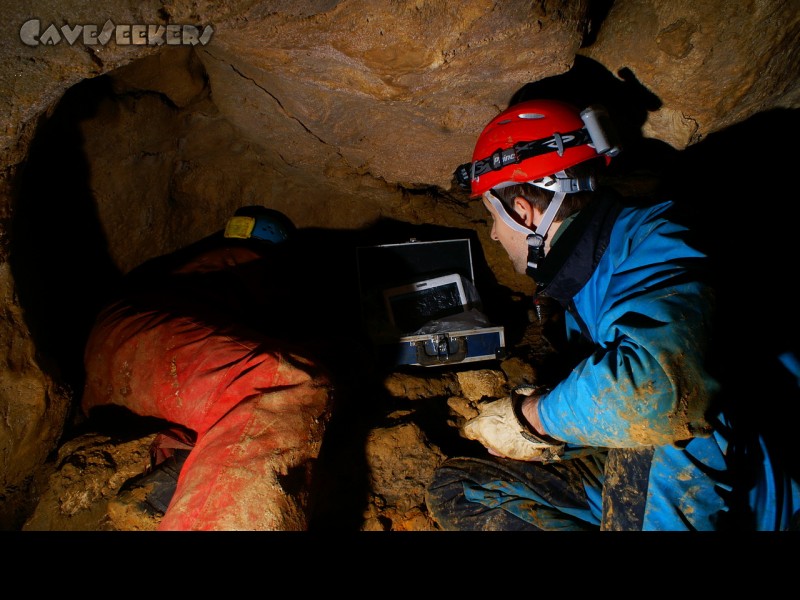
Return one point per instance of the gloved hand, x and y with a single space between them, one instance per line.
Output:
501 427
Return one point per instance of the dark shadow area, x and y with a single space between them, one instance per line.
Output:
59 254
628 102
119 424
332 257
363 403
730 190
596 13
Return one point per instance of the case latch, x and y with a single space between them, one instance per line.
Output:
441 348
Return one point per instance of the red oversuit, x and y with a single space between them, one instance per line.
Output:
189 341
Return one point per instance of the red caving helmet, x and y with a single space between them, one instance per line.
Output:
533 140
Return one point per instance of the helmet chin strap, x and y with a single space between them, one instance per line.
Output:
536 237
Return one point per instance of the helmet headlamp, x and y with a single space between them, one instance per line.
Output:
265 225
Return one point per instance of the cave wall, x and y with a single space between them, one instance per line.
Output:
338 113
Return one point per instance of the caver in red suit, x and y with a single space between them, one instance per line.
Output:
202 338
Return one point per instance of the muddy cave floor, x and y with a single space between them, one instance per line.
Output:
379 453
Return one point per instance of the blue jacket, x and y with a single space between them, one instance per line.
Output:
631 287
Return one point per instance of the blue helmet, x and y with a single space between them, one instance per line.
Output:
259 223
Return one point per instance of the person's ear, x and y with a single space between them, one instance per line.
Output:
525 211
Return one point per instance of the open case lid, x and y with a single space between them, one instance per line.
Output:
389 265
385 272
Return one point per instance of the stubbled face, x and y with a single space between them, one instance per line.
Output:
514 242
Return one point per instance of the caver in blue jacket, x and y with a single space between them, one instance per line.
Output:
644 386
646 431
640 452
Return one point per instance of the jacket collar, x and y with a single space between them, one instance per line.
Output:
570 263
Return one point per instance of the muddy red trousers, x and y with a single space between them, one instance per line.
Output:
258 409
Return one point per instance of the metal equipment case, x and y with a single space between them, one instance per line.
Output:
452 336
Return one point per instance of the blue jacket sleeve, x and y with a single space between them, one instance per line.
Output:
648 315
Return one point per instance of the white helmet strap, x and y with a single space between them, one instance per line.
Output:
536 239
537 236
501 210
